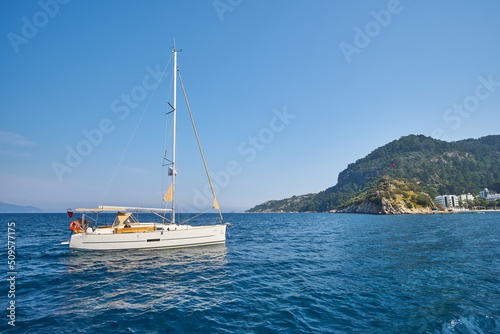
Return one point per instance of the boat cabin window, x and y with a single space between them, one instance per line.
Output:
129 220
117 221
124 219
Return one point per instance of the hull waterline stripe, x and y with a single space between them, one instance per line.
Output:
159 247
127 241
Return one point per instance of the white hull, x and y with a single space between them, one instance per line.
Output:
183 236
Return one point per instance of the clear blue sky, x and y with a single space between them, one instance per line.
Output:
285 94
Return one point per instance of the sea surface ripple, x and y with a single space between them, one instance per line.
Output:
277 273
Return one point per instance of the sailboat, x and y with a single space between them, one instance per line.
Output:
127 232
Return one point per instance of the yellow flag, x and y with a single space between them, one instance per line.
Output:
216 206
168 195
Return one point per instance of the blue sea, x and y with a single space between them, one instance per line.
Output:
277 273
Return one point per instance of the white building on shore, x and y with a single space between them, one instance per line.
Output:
447 201
489 195
451 201
466 197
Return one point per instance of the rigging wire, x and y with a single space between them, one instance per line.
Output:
199 146
133 133
184 222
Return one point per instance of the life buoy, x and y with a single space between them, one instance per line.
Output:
74 225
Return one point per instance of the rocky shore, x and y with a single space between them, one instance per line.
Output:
384 208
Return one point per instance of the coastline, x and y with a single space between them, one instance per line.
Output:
382 214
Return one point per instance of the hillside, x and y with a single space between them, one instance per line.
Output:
390 196
438 167
284 205
12 208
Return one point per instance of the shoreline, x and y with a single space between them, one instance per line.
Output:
382 214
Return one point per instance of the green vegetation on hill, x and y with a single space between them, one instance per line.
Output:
284 205
403 195
438 167
495 186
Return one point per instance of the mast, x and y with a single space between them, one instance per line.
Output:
173 140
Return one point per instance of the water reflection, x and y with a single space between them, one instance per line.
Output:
133 260
141 280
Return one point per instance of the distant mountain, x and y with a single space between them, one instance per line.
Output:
438 167
284 205
12 208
